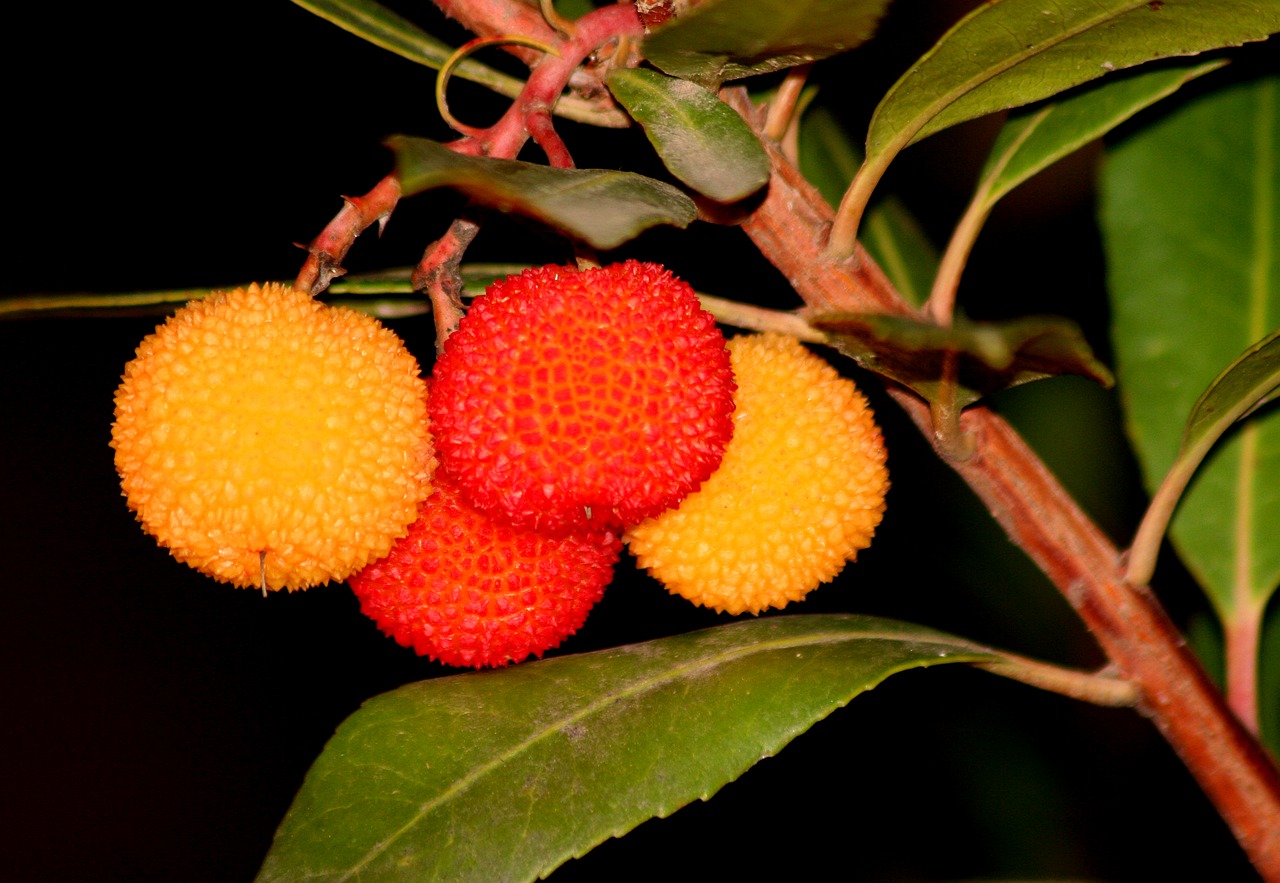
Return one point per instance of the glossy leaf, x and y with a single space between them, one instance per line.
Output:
1191 223
1034 139
373 22
719 40
505 775
829 158
1008 53
992 355
600 207
703 141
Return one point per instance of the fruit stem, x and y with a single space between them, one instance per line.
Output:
439 275
326 251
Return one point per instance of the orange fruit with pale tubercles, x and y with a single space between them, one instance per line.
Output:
800 490
269 440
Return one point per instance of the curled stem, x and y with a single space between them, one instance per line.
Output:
464 51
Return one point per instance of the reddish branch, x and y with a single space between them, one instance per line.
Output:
790 228
436 273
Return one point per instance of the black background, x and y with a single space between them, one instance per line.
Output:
156 724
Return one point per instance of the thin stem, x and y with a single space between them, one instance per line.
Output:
1155 521
782 107
842 243
942 298
1100 688
949 436
1242 634
466 50
754 318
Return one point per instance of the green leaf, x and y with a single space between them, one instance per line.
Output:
1008 53
505 775
1191 224
701 139
829 159
719 40
600 207
1249 381
1034 139
373 22
992 355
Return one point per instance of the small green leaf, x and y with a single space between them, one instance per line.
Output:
373 22
600 207
505 775
829 158
719 40
701 139
992 356
1191 227
1034 139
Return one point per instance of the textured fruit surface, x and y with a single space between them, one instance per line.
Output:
467 590
260 426
800 492
571 398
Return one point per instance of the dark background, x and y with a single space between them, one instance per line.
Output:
156 724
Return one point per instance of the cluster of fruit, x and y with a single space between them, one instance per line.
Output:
271 441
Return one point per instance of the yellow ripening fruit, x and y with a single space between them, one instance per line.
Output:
269 440
799 492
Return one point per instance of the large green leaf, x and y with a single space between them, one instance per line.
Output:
505 775
371 21
718 40
703 141
1033 139
600 207
829 159
1191 222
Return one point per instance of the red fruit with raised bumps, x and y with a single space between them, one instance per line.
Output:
573 398
469 591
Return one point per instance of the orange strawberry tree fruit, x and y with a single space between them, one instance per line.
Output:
589 407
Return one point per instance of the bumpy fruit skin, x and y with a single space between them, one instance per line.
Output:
467 590
800 491
262 421
568 399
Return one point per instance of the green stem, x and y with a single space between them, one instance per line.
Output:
1100 688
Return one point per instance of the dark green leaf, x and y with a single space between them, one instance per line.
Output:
505 775
701 139
1191 223
992 356
1012 52
602 208
720 40
829 159
1036 138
